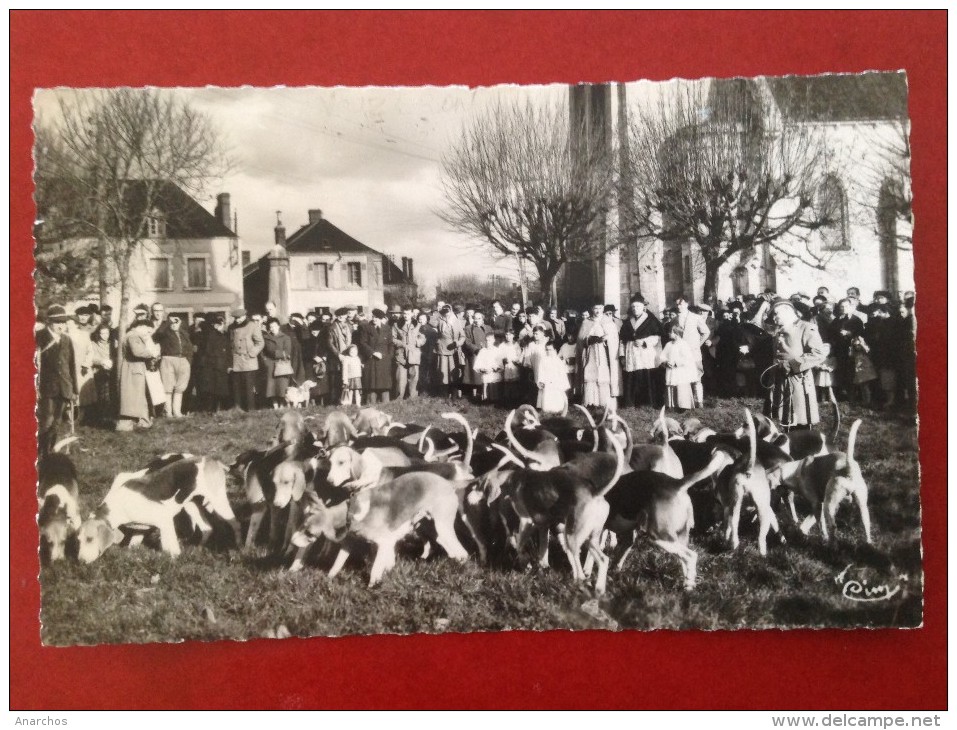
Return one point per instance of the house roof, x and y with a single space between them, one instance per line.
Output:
841 97
185 217
323 237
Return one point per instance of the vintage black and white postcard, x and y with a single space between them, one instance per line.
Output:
331 361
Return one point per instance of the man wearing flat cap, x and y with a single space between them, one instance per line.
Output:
335 341
56 378
798 349
374 341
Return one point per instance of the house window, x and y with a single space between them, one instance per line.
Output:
155 225
832 207
354 273
319 275
246 258
197 272
160 270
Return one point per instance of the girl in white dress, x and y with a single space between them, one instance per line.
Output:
489 367
552 380
681 370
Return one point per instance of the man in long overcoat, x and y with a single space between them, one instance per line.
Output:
247 342
56 383
139 352
374 340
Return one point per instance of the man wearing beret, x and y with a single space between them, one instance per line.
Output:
56 380
247 342
374 341
798 349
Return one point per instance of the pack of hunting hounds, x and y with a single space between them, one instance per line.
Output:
367 482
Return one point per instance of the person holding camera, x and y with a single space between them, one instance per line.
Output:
640 336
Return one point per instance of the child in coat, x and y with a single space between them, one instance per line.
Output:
864 371
489 367
351 377
680 371
568 353
510 354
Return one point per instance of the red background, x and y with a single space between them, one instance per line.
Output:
721 670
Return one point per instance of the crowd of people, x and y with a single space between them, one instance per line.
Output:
791 350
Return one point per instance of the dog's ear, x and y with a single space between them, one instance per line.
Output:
298 485
355 468
371 468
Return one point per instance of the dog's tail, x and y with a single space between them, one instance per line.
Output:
422 437
513 442
752 440
663 422
832 437
63 443
629 439
852 440
619 467
469 436
591 425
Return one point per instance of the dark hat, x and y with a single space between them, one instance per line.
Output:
216 319
81 310
106 308
56 313
341 311
882 293
637 298
459 309
736 305
395 309
445 309
140 321
141 308
378 314
296 315
238 312
610 308
93 309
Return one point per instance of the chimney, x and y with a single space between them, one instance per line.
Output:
223 211
410 276
280 230
315 215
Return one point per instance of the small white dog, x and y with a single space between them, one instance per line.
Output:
298 396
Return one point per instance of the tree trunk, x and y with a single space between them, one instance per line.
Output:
546 283
711 268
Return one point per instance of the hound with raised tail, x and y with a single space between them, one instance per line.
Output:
745 476
825 482
153 499
657 505
658 457
383 515
59 515
562 500
800 443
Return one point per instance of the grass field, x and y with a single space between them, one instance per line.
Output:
142 595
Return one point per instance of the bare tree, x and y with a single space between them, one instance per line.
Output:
884 188
514 182
105 168
719 172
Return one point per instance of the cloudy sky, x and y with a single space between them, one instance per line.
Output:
369 158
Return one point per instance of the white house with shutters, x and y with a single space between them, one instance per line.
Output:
320 267
189 259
